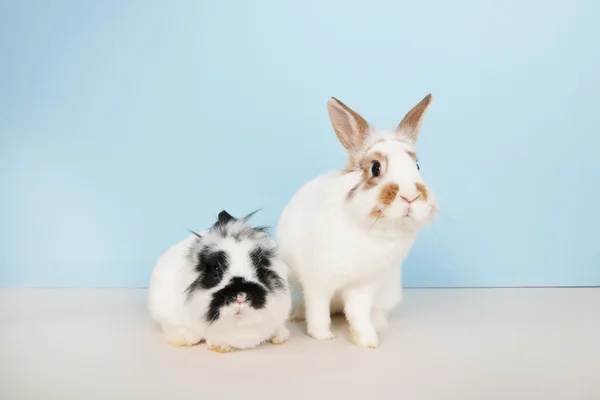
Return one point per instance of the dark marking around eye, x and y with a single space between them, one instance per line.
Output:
261 261
212 265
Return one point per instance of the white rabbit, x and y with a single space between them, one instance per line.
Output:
227 286
345 234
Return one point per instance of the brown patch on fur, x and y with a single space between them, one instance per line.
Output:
223 349
368 149
382 140
370 184
366 163
376 213
368 181
275 340
179 342
412 155
388 193
422 189
382 158
352 191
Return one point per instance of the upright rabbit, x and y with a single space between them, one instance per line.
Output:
345 234
227 286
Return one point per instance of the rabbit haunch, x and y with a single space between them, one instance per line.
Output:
346 233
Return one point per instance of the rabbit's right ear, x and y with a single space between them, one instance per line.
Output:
350 128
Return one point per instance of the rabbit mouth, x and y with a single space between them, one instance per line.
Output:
239 308
380 212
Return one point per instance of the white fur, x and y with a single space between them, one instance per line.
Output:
342 258
182 319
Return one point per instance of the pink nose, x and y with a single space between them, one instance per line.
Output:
409 201
239 301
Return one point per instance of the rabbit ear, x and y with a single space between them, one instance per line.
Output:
410 124
224 217
350 128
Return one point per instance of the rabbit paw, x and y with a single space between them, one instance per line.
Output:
220 348
181 337
365 339
324 334
281 336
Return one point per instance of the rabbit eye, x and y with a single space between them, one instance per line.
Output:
215 273
376 168
418 168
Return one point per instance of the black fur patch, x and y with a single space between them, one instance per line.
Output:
224 217
256 296
212 265
261 261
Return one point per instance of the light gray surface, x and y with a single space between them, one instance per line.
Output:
442 344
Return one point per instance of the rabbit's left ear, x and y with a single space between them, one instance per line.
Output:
224 218
411 123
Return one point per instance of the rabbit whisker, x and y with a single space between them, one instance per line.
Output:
208 326
453 220
432 231
373 224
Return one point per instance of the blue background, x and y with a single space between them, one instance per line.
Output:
125 122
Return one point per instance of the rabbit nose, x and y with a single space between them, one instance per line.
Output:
409 201
239 300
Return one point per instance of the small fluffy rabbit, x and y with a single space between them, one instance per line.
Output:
345 234
227 286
